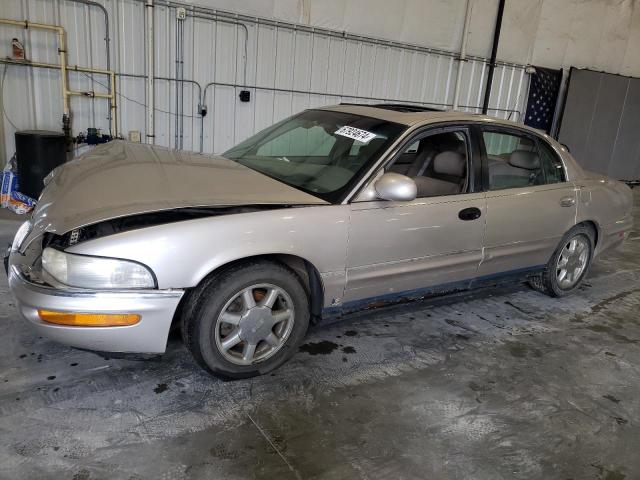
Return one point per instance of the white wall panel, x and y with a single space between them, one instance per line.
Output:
600 34
285 68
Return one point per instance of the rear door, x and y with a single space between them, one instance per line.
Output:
530 205
434 241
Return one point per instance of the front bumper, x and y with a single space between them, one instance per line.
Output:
155 307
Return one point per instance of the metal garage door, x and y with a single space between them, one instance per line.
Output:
600 123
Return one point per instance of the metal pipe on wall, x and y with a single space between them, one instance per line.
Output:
342 95
3 151
236 18
202 92
213 18
107 38
494 53
179 133
222 14
463 54
177 97
215 15
150 87
62 54
107 41
239 80
75 68
111 95
169 79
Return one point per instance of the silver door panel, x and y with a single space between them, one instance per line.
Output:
398 246
524 225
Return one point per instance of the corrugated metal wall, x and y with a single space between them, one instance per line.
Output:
286 68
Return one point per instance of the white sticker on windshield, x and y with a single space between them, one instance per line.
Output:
360 135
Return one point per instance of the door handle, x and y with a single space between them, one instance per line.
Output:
567 201
470 213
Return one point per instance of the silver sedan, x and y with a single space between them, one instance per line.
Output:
333 210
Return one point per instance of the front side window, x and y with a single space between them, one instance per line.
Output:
437 162
318 151
513 160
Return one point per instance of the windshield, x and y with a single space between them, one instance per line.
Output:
320 152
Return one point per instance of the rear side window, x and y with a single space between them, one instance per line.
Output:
552 165
513 161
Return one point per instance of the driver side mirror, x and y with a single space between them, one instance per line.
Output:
396 187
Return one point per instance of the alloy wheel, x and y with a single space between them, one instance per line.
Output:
572 261
254 324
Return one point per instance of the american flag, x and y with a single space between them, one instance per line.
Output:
543 95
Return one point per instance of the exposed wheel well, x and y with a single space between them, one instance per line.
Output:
305 270
594 227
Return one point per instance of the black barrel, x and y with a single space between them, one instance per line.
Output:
38 152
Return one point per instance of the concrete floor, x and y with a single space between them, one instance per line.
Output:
497 384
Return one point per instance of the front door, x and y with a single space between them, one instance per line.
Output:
432 243
530 205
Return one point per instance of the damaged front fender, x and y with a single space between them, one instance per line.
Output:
143 220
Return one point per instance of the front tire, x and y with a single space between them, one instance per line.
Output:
568 265
247 320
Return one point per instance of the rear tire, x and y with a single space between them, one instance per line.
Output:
568 265
246 320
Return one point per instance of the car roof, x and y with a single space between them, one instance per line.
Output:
411 115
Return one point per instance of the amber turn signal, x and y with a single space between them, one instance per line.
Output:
89 319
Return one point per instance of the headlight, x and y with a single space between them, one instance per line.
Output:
21 234
95 272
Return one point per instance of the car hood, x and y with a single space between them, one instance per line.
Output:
122 178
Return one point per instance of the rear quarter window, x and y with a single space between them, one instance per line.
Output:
551 164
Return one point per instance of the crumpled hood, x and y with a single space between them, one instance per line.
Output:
122 178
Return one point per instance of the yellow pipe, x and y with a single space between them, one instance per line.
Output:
76 68
61 52
89 94
62 49
111 96
29 63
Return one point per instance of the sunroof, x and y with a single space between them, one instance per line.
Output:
398 107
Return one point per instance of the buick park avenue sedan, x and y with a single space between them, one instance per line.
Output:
332 210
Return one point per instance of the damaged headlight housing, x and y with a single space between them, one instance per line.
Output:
21 234
84 271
